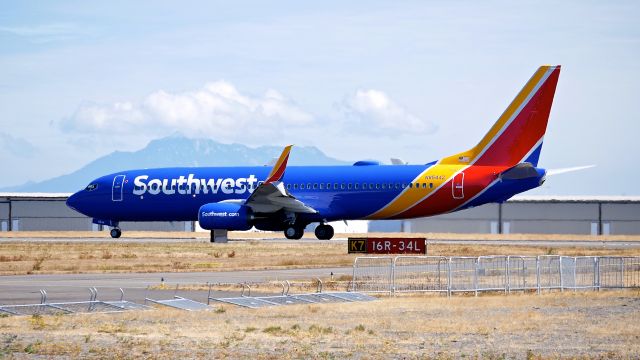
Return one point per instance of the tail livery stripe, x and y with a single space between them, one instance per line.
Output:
517 134
512 113
524 130
436 175
478 194
278 169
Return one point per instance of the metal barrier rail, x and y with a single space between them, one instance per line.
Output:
375 274
93 305
493 273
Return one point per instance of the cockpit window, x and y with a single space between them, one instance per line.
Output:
91 187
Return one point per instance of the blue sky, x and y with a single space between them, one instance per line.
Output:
415 80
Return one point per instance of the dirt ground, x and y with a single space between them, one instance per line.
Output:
556 325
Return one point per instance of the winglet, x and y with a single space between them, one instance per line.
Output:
281 165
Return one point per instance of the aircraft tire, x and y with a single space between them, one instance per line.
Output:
293 233
324 232
116 233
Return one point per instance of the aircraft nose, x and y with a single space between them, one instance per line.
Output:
73 201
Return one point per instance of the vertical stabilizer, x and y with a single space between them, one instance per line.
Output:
518 134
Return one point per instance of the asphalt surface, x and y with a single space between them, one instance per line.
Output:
22 289
609 244
546 243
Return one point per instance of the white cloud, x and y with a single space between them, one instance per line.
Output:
44 33
16 146
217 110
220 111
374 111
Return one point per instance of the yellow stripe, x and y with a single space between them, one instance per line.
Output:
449 166
469 156
281 160
436 174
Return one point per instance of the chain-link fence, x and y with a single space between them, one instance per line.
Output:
494 273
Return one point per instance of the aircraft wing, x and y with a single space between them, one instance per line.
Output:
272 196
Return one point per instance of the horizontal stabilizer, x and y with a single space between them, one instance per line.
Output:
552 172
520 171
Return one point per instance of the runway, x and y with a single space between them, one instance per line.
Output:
20 289
610 244
607 244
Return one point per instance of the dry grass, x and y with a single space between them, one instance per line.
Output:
99 257
111 256
600 325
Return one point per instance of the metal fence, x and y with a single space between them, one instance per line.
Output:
506 274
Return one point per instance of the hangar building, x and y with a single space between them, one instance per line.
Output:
595 215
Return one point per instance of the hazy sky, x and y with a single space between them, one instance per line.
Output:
415 80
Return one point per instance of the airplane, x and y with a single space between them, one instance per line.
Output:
288 198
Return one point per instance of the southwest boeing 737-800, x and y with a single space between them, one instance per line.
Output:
502 164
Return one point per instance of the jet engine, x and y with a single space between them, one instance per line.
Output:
228 216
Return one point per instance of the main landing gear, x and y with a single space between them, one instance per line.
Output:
294 232
323 232
115 233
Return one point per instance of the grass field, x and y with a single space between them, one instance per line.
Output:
70 254
60 256
567 325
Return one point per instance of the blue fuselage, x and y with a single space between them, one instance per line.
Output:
336 192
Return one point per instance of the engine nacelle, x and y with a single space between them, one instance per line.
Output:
227 216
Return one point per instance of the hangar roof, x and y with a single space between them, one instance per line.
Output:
34 196
574 198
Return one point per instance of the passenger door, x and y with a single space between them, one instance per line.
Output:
458 186
118 188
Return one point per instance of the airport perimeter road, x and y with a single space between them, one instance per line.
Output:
16 289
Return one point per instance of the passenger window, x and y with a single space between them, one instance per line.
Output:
430 185
321 186
295 186
288 187
377 186
370 186
315 186
342 186
349 186
335 186
397 186
355 186
424 185
410 185
384 186
404 185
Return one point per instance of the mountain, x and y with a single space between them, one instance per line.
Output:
176 150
